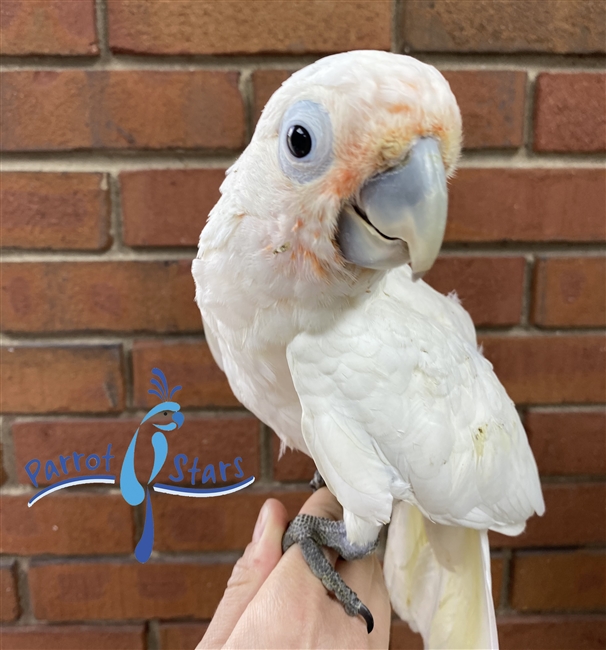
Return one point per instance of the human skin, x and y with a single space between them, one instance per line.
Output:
273 600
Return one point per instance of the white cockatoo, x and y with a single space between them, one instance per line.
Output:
308 281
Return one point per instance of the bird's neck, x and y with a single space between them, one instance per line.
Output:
276 293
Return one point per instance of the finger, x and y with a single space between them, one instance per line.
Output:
365 577
250 572
322 503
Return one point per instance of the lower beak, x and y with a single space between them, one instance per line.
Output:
399 216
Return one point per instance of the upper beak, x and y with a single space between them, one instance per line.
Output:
178 418
399 216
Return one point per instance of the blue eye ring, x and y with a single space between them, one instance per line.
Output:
308 158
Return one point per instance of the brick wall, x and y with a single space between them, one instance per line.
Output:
118 120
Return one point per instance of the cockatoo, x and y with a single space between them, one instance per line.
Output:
308 282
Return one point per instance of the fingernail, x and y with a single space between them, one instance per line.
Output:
261 521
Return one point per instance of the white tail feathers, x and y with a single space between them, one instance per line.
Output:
438 578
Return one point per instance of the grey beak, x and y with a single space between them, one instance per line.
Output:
399 216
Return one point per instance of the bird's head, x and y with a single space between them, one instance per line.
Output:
167 415
348 166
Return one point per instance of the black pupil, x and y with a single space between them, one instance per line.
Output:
299 141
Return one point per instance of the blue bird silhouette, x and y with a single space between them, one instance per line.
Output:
133 492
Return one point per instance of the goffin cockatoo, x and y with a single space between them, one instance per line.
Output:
308 281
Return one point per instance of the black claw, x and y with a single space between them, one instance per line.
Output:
367 616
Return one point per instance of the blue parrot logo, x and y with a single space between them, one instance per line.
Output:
133 492
96 468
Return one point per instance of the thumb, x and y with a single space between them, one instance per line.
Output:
250 572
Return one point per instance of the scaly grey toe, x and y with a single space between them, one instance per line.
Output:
313 532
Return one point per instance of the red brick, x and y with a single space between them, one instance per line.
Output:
181 636
9 605
51 110
64 211
491 103
581 632
490 288
74 637
48 27
488 205
504 26
568 443
574 516
125 590
293 466
403 638
211 438
62 378
66 524
559 581
167 207
224 524
242 27
265 84
492 106
190 363
570 112
570 291
111 296
549 369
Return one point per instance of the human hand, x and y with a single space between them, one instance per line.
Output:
273 600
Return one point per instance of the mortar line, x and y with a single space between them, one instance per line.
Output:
527 290
266 460
129 373
454 61
152 634
528 120
22 565
504 606
155 62
259 488
117 245
108 338
8 451
96 337
200 413
246 92
172 558
565 408
396 25
115 161
546 249
123 254
518 331
102 25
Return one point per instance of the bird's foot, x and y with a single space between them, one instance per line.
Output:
317 481
310 533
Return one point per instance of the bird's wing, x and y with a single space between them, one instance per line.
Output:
398 402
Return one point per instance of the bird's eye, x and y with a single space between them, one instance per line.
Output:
165 413
299 141
305 141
